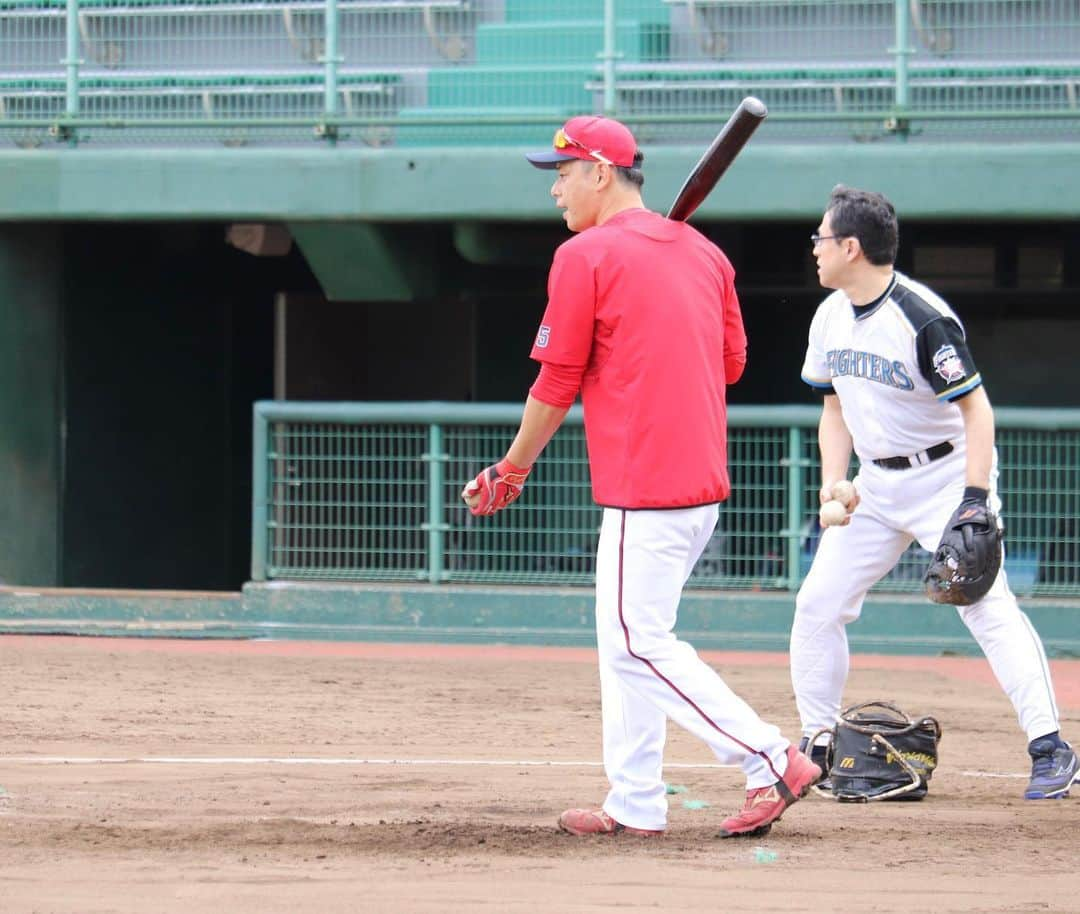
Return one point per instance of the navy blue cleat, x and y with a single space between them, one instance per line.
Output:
1054 768
819 755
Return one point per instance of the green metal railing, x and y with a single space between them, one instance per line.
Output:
370 492
413 72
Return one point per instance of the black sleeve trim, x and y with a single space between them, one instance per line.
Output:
942 351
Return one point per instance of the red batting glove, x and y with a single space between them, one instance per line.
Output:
494 488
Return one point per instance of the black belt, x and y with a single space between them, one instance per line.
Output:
915 460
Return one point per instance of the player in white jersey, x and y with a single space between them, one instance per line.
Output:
901 389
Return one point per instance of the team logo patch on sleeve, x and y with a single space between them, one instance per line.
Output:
948 364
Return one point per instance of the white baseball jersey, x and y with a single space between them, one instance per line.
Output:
897 364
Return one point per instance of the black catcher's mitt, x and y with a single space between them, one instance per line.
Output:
966 562
877 752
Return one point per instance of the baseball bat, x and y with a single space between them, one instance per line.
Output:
720 154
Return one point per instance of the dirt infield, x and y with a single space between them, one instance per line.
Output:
259 777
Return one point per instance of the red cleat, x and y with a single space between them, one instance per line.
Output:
765 805
598 822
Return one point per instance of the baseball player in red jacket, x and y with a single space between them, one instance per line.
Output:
643 320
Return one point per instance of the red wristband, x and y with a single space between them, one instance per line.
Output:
504 466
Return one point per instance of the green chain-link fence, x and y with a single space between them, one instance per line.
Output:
370 492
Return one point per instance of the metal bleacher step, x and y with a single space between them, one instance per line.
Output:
648 11
518 87
567 41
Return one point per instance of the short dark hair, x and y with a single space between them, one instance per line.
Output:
633 174
868 216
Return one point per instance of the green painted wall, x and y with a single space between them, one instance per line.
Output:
767 182
295 610
30 407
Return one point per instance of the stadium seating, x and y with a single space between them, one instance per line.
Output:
456 61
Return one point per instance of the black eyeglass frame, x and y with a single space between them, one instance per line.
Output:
815 239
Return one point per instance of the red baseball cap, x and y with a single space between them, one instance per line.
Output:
594 139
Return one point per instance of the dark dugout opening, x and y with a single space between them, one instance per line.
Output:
169 337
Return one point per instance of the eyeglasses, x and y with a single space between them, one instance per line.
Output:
815 240
561 141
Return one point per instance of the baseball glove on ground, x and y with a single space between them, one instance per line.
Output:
966 562
877 752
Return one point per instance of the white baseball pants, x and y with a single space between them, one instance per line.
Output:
896 507
648 675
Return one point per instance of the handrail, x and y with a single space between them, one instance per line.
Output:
210 7
456 413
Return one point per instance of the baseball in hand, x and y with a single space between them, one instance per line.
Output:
844 492
832 513
471 493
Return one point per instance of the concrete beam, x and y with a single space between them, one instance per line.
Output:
362 261
767 182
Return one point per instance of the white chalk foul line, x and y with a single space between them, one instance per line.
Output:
992 774
265 760
433 762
